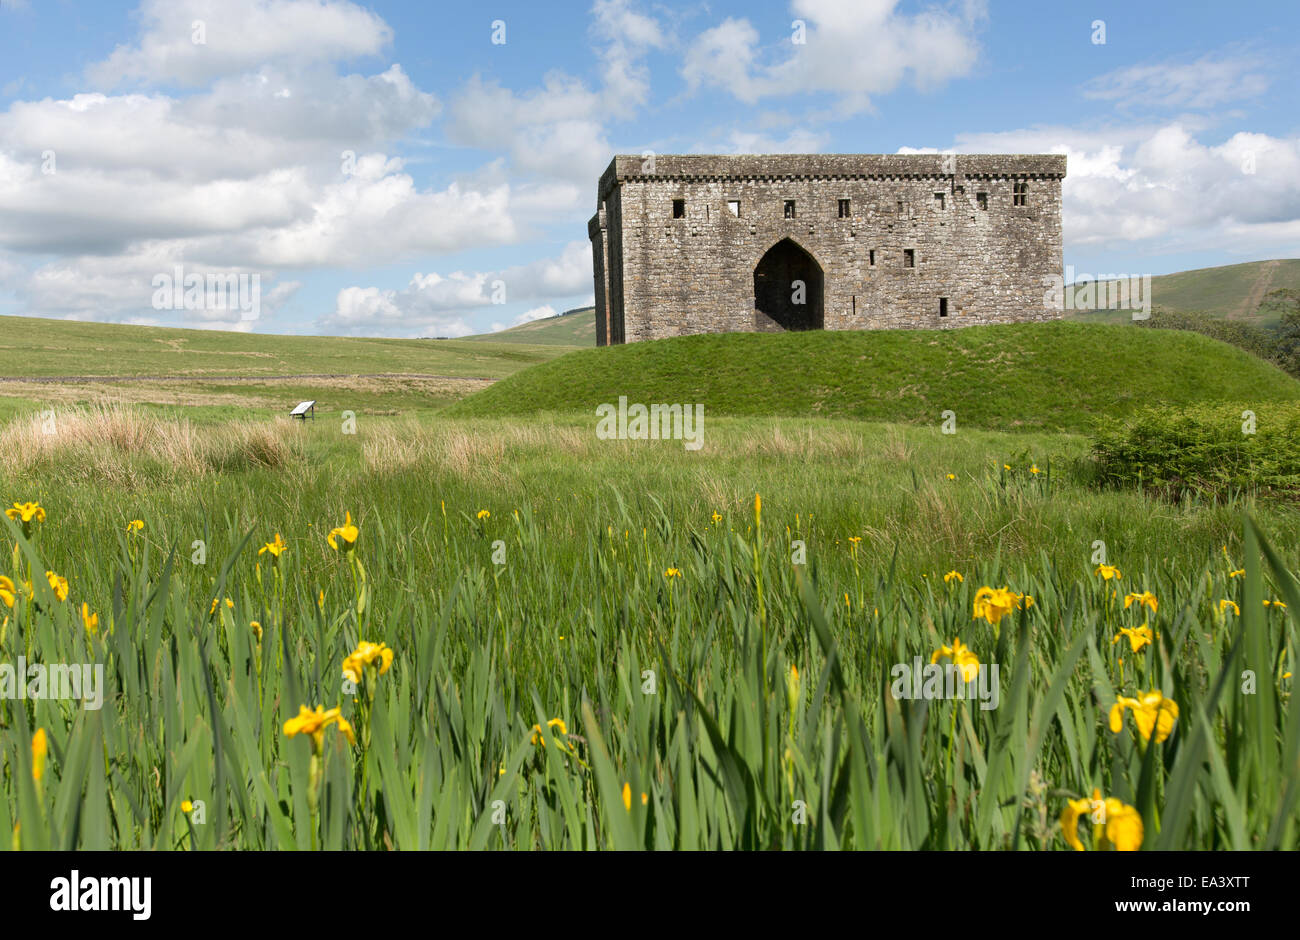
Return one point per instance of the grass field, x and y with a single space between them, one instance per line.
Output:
614 644
571 328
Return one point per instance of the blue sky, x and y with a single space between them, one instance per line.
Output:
214 135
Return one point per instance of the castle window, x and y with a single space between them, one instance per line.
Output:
844 209
789 208
733 206
909 257
871 257
938 200
1020 194
982 200
679 208
943 306
900 207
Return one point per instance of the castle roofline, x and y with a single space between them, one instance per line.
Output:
632 168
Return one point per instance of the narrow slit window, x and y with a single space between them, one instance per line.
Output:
1020 194
679 208
943 306
871 257
982 200
844 209
789 209
909 257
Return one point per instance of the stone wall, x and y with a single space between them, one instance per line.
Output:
658 275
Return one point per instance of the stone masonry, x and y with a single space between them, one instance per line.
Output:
707 244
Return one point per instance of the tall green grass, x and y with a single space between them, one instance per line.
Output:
676 691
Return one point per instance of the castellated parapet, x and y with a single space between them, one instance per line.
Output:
709 244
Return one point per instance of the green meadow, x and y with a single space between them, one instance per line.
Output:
594 643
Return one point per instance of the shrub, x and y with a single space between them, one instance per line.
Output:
1204 449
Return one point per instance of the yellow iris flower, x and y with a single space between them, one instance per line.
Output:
90 620
1152 712
539 738
59 585
277 547
1107 572
960 655
953 575
1116 825
135 525
8 593
993 604
1146 598
365 655
40 748
346 535
1138 637
315 722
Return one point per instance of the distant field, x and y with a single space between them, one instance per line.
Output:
1232 291
63 361
1054 376
571 328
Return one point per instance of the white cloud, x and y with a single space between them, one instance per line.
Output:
238 36
1208 82
438 303
537 313
1158 188
854 49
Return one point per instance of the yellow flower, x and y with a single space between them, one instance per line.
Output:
26 513
644 799
347 533
627 797
994 604
960 656
90 620
40 748
135 525
1153 712
320 599
758 509
365 655
953 575
314 723
1006 466
1070 820
1107 572
256 628
673 573
278 547
539 738
1115 824
952 476
1274 603
7 591
717 517
186 806
1225 604
1145 598
483 514
1239 573
58 585
1138 637
1034 469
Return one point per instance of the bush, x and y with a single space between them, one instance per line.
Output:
1255 339
1203 449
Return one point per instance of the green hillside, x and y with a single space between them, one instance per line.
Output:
1059 375
1232 291
40 347
575 327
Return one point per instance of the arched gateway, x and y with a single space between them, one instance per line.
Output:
788 289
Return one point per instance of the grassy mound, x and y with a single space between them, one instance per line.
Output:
1054 376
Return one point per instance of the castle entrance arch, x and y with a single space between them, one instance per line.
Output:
788 289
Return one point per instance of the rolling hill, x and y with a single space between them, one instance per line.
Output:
1052 376
575 327
1232 291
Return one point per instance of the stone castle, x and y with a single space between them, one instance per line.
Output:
707 244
